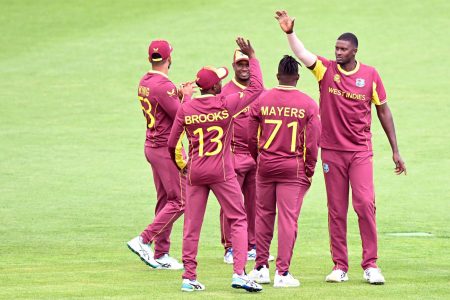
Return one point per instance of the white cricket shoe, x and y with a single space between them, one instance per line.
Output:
169 263
244 282
284 281
373 276
251 255
228 257
143 251
262 276
191 285
337 276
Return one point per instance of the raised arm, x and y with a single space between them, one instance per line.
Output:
175 140
312 139
385 116
287 25
238 101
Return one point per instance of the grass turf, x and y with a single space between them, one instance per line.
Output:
75 186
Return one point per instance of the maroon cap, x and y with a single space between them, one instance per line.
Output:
207 77
160 47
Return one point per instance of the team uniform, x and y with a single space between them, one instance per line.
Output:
207 122
159 102
345 107
245 168
284 132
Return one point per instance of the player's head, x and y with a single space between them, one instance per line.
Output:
159 53
241 66
346 48
288 71
209 79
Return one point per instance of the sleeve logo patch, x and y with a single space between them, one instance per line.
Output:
360 82
171 93
326 168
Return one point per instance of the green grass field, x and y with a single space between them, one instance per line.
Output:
75 186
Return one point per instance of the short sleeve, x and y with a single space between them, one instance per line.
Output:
320 67
378 92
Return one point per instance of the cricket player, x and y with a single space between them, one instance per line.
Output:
284 133
207 120
159 101
244 165
347 90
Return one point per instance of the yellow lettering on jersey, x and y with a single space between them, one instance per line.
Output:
143 91
204 118
346 94
283 112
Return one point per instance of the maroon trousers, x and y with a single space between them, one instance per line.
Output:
343 169
245 167
288 198
230 198
170 187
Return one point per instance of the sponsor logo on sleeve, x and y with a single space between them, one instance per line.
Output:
171 93
326 168
360 82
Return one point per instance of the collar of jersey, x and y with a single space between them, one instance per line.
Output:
286 87
203 96
242 87
157 72
348 73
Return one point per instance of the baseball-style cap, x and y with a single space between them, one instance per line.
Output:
207 77
160 47
238 56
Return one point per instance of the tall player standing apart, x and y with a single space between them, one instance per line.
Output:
159 102
347 89
207 120
244 165
284 133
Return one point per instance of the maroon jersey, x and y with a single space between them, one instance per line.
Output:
284 128
159 102
239 127
207 119
345 104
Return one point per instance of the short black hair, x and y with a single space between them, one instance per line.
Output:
288 66
349 37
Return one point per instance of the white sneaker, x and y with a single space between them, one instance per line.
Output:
373 276
244 282
143 251
251 255
228 257
262 276
191 286
337 276
169 263
284 281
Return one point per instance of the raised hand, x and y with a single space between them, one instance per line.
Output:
400 166
245 47
286 22
186 88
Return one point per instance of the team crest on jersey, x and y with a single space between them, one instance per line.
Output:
360 82
326 168
337 78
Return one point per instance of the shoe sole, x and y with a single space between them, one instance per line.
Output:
374 283
143 260
248 288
